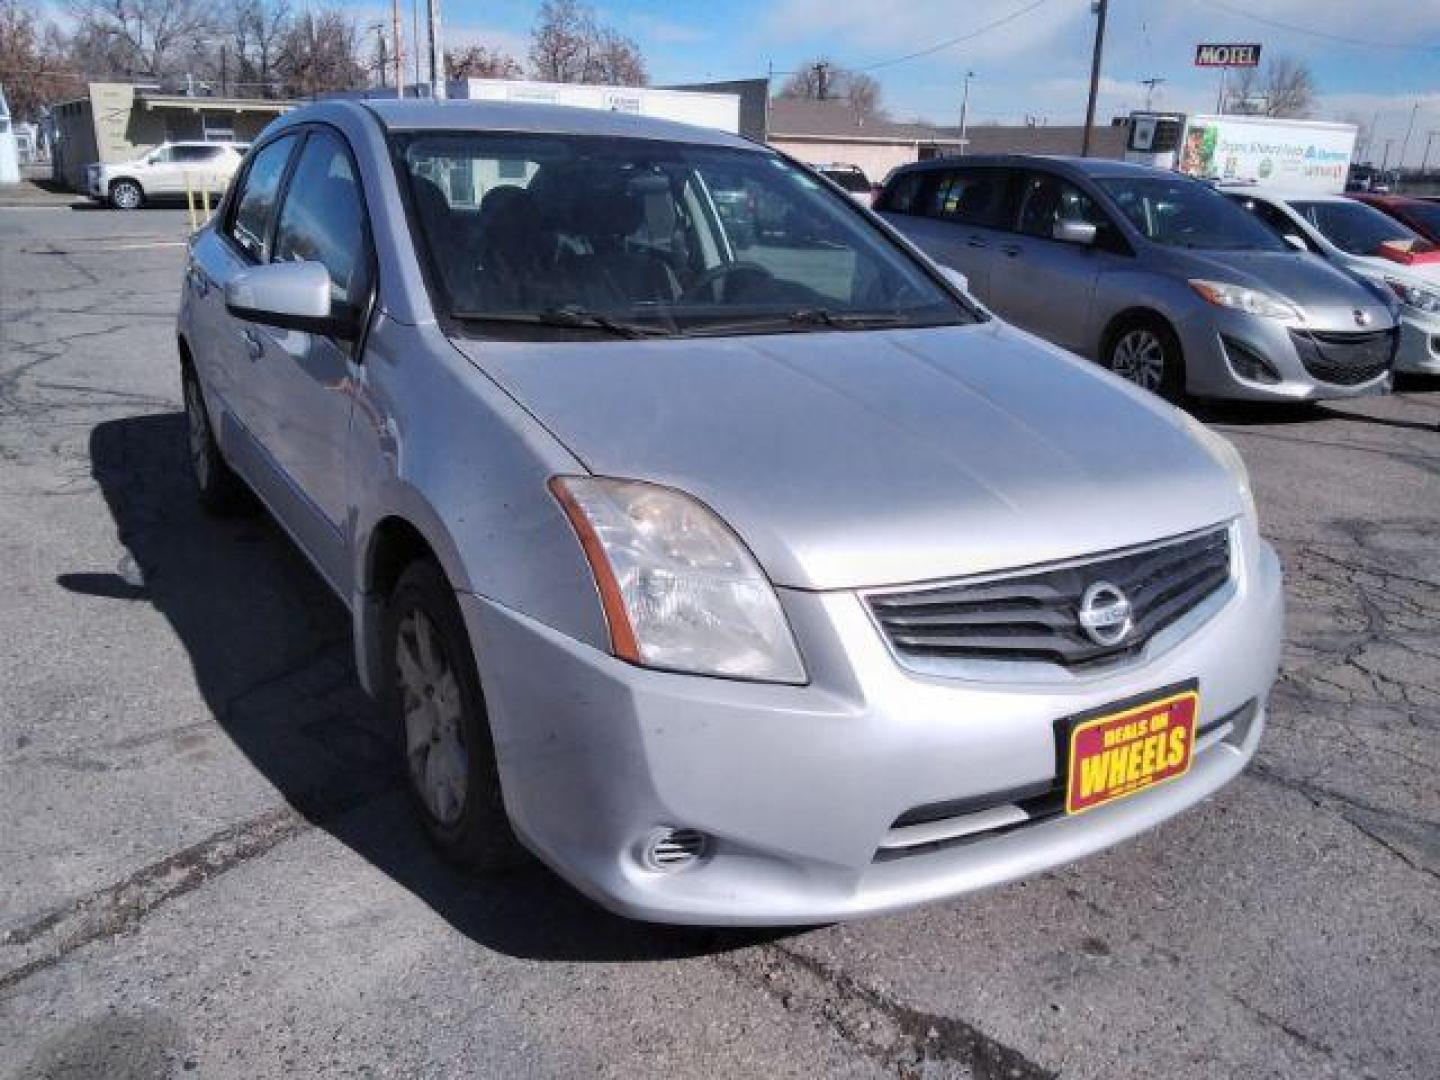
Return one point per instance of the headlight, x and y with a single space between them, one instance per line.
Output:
1416 296
1224 452
1251 301
679 588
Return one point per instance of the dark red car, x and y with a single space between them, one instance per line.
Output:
1422 215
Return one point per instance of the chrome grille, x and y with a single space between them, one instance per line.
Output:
1034 615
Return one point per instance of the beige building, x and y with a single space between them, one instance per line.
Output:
120 121
830 132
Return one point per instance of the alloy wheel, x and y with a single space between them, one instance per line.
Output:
125 195
430 701
1140 357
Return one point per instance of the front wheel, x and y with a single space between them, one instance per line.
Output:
1147 353
220 490
126 195
432 697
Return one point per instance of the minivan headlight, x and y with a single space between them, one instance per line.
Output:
680 590
1416 296
1243 298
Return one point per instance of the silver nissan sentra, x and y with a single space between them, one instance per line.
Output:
700 535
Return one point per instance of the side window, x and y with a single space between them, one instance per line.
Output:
323 218
972 197
1278 220
191 154
1046 200
162 157
904 195
249 224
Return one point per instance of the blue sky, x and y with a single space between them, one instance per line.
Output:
1367 55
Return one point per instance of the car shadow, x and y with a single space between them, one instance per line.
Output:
270 648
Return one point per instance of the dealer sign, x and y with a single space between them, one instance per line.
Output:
1213 55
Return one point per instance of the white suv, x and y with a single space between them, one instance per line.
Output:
163 172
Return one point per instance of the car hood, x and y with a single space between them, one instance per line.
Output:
1427 274
860 459
1308 280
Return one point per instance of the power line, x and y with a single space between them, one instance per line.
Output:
949 43
1343 39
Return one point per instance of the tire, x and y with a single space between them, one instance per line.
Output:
220 491
1146 352
431 695
126 195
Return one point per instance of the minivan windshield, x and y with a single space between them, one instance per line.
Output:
1179 212
1353 227
640 237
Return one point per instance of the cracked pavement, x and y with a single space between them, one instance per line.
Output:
207 866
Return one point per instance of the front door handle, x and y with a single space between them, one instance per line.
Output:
977 241
253 345
1011 250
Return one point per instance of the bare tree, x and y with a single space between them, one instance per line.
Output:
478 62
255 29
319 52
144 36
1283 87
568 44
34 67
821 80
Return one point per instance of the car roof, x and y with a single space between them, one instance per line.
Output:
1059 163
465 115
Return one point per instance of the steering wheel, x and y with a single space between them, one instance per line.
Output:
709 278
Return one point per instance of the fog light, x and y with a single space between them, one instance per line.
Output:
1248 363
668 850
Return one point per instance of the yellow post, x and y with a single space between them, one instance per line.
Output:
190 202
205 198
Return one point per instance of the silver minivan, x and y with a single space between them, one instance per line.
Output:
742 574
1155 275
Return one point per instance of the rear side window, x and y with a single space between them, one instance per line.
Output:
323 218
186 154
255 205
972 196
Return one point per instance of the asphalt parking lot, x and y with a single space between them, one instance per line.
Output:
208 868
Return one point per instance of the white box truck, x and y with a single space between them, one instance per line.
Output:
1296 155
702 108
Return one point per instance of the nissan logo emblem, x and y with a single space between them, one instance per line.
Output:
1362 317
1105 614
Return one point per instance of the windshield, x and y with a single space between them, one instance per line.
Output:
1353 227
1180 212
634 236
1428 214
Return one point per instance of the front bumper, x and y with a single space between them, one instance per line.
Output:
1419 351
799 786
1212 341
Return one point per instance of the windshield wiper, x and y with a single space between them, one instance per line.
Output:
800 318
568 316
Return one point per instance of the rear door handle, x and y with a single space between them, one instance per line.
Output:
1010 249
253 345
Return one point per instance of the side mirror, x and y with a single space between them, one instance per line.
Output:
1295 242
293 296
956 279
1074 232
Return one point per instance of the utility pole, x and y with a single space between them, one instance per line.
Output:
965 109
437 54
382 61
1150 85
1220 98
1385 161
415 36
1425 161
822 79
224 71
1099 8
399 49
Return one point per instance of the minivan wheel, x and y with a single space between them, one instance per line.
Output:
433 700
1147 353
126 195
220 491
